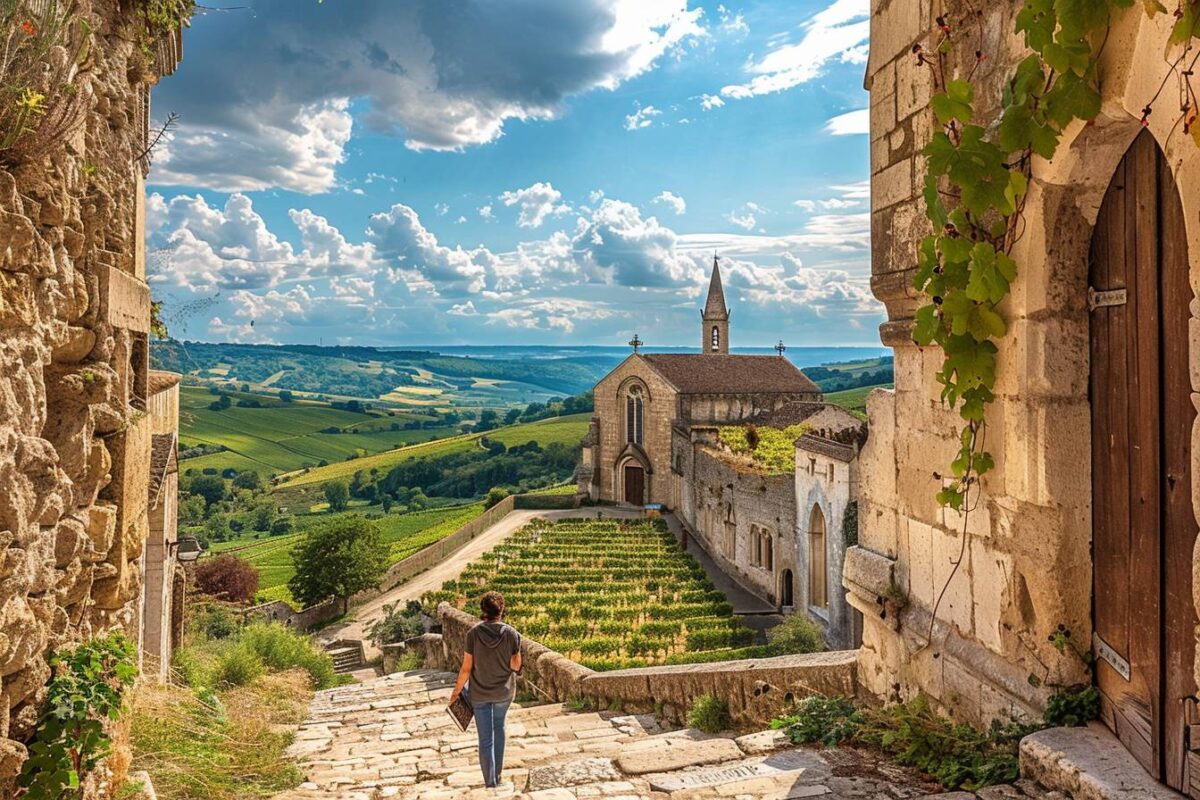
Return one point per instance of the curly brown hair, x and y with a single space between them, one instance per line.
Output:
492 605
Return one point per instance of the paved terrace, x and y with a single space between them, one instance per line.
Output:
392 738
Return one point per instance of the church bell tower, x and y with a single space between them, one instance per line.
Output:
714 333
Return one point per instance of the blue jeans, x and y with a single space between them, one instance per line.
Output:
489 724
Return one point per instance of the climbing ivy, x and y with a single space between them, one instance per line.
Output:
977 180
975 189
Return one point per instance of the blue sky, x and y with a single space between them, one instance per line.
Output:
531 171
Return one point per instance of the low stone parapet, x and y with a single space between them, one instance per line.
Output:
756 690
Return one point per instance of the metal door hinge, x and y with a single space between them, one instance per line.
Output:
1101 298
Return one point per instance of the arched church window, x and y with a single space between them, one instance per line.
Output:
716 338
768 551
634 415
818 594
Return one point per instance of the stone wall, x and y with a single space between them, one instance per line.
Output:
1026 565
74 433
756 690
727 505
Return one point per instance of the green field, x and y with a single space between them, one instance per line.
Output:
854 399
404 534
609 594
284 437
566 430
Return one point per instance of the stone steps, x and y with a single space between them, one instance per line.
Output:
346 659
392 738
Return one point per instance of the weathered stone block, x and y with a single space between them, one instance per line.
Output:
124 300
892 185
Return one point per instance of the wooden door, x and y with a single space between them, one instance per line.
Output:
1142 520
635 485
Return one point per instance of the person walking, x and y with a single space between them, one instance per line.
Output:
491 661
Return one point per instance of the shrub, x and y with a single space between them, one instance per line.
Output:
212 621
238 666
796 634
494 497
396 624
709 714
280 648
227 577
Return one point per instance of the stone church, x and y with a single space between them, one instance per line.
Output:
656 439
627 452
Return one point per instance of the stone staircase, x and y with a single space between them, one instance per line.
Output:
392 738
346 657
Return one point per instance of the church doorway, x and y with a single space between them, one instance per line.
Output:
787 597
1143 525
635 485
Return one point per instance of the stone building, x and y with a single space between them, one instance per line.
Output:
627 451
1088 520
76 432
164 582
779 535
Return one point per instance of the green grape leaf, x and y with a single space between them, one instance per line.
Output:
925 325
1078 18
955 102
1072 97
1037 20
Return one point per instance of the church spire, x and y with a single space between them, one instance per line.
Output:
714 306
714 331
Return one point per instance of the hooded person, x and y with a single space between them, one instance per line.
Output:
491 661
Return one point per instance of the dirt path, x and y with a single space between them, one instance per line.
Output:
366 614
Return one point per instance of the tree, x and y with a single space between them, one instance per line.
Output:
512 416
227 577
216 529
248 480
285 396
210 487
338 559
263 516
192 508
337 494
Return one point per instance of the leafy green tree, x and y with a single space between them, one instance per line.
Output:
337 494
216 529
338 559
263 516
192 508
210 487
285 396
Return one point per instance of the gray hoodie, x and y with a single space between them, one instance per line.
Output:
492 645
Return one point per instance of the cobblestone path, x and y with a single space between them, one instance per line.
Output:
391 738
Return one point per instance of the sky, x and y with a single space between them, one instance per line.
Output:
425 172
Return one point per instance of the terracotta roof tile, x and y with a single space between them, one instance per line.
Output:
692 373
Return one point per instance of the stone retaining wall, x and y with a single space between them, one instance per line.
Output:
756 690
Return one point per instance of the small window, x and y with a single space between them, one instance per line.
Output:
812 466
829 473
716 338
